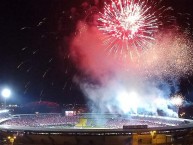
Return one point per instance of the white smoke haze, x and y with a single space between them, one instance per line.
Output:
128 96
126 85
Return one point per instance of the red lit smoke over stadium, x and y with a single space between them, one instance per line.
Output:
131 55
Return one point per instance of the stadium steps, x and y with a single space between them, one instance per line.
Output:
114 140
39 139
90 140
64 140
29 139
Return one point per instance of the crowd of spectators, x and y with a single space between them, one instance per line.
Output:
42 120
4 114
119 123
160 121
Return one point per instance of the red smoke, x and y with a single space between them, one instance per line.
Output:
169 55
88 53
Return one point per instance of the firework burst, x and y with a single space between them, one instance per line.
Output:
131 24
177 100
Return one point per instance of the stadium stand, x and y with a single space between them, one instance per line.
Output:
88 129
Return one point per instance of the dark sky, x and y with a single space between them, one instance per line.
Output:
34 59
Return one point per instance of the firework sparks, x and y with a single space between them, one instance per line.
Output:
177 100
170 56
130 24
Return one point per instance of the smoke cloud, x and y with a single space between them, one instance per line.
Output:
142 83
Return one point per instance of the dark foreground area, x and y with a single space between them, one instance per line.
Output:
149 136
95 140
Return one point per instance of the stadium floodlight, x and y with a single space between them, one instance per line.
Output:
6 93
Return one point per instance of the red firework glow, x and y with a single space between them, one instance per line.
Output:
130 24
169 56
124 28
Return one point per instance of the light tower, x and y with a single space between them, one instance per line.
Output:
6 93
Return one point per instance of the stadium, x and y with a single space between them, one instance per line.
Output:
93 129
131 58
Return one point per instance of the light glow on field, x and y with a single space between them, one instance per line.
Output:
129 102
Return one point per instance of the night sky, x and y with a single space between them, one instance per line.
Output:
34 42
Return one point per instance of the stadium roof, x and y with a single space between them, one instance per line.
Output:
42 103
